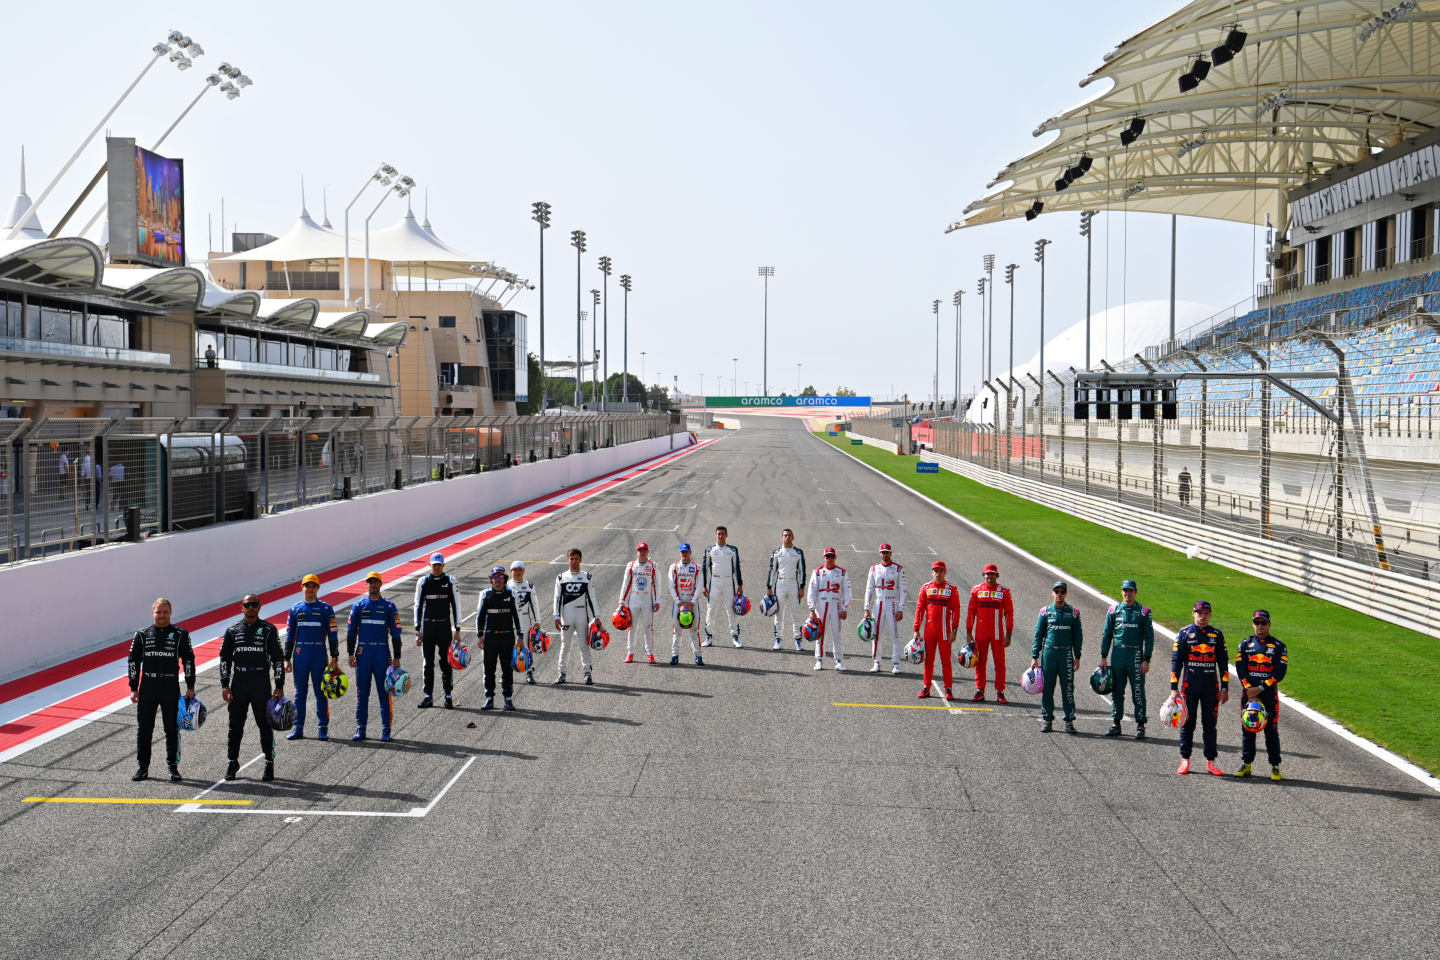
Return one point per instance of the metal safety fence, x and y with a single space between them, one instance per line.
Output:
69 483
1365 488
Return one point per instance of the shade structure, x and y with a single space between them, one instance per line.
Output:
1315 85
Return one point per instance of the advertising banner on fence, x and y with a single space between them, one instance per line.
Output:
763 403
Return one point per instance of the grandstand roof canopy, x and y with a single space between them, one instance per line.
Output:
1315 85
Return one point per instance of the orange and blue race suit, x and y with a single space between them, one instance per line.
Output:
375 626
311 624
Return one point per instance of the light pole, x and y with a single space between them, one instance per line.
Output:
577 240
980 289
625 345
540 213
605 351
734 372
401 188
1085 217
798 365
383 175
181 57
644 388
1010 269
989 264
1040 246
231 80
935 407
767 273
594 348
959 294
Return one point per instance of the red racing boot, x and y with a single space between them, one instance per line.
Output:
1214 770
923 694
1184 767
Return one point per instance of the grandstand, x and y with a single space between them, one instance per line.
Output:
1319 122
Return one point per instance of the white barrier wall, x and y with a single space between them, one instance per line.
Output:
1401 600
70 605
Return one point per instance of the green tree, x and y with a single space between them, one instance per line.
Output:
809 391
845 392
657 398
536 386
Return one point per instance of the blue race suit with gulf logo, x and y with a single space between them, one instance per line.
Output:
372 623
311 624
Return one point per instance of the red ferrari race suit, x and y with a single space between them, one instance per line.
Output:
989 621
937 617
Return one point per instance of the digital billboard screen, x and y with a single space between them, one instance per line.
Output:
147 211
159 209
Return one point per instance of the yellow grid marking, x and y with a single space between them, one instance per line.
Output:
132 800
915 706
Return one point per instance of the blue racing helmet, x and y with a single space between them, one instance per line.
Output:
397 682
191 714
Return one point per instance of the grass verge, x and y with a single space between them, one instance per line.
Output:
1374 677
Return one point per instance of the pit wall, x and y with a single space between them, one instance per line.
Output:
67 606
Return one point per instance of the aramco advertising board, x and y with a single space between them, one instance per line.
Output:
764 403
147 205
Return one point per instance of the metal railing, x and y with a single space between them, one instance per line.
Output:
67 484
83 351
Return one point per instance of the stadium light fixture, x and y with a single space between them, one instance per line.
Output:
1377 23
1229 47
540 213
1273 102
1189 146
577 240
173 39
1137 187
766 273
382 176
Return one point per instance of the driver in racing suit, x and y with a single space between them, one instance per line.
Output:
311 625
721 570
885 594
786 583
937 614
684 587
524 592
374 625
641 594
574 612
828 597
990 626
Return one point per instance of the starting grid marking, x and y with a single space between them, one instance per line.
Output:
37 717
139 801
917 706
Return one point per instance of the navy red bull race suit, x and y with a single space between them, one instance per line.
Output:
1200 669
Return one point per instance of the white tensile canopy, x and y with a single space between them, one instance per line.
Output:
1308 86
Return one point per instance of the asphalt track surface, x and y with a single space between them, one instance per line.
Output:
731 810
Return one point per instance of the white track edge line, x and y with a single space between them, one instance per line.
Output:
1407 767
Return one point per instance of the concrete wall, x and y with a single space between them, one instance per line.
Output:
74 604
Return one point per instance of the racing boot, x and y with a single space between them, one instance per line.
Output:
799 645
175 774
1046 727
1114 730
979 697
140 774
1244 770
1275 774
425 704
629 658
232 769
1069 726
359 734
589 680
699 661
875 667
840 665
895 669
269 773
1184 767
1140 731
1000 697
924 694
708 639
949 696
489 704
384 734
323 733
675 659
819 665
509 704
449 702
1213 770
560 679
297 734
777 642
530 676
650 657
736 640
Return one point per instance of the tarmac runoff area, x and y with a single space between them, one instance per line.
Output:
749 808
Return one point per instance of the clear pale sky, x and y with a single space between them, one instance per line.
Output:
833 141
